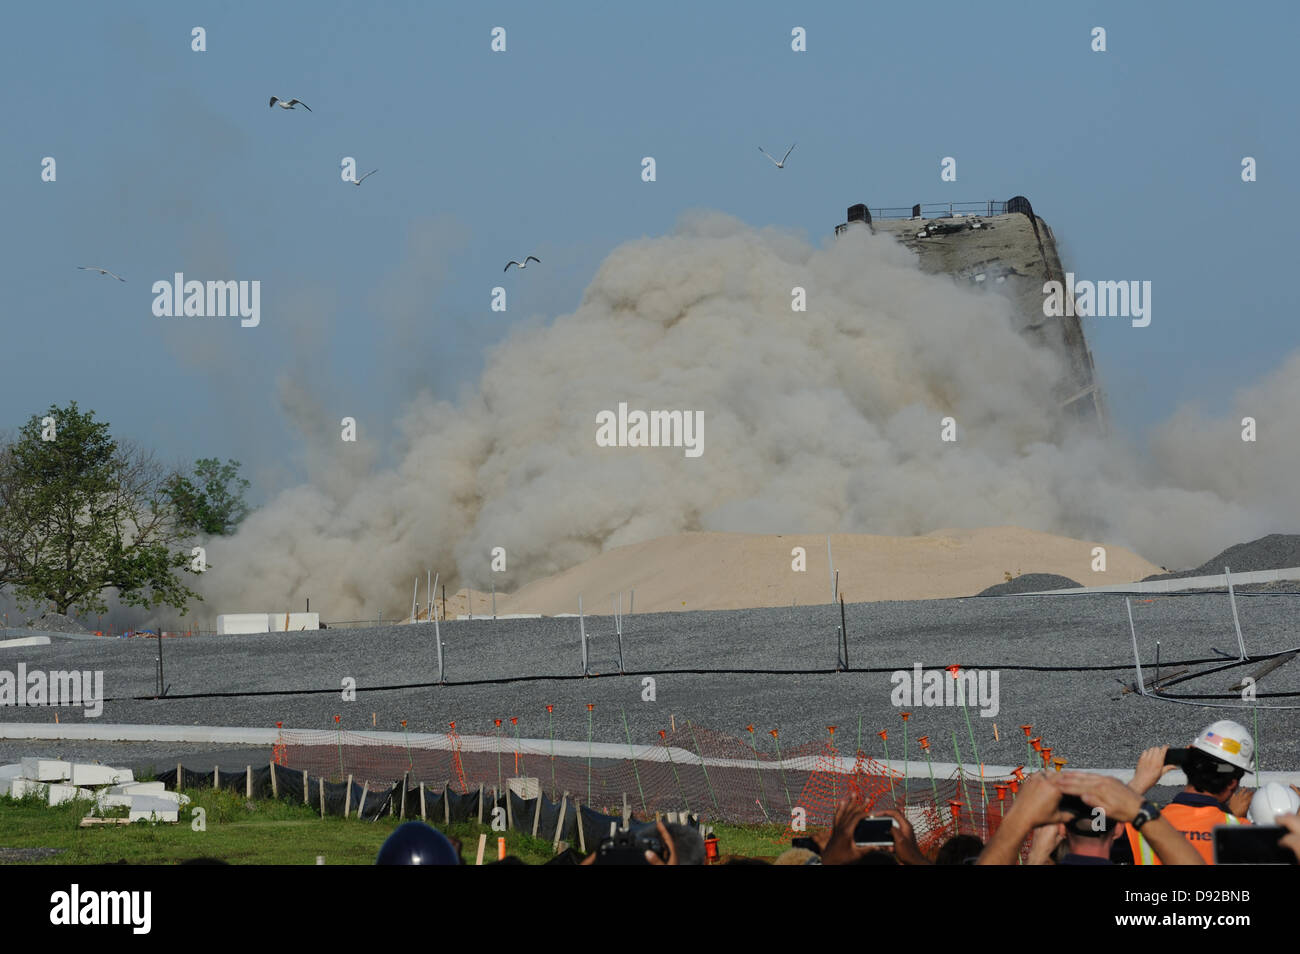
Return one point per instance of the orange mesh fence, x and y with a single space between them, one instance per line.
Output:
713 774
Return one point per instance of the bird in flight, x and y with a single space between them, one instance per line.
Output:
102 271
363 178
524 263
289 105
781 164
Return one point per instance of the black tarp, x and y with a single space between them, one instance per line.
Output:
522 812
596 825
465 807
551 819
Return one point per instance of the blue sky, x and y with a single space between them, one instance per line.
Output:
169 160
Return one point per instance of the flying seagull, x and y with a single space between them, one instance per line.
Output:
102 271
363 178
524 263
781 164
289 105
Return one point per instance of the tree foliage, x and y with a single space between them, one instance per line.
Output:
81 513
209 502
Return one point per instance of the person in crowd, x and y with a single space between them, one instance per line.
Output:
1039 804
1215 763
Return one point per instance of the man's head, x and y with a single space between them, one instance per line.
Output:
959 850
1092 835
1218 758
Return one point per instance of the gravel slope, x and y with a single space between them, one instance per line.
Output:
1075 712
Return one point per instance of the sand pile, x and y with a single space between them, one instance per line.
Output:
700 571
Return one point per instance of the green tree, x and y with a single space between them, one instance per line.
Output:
81 513
210 502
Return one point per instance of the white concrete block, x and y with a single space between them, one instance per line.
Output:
21 641
8 772
45 770
242 623
234 624
86 774
67 793
172 798
138 788
21 787
153 809
106 799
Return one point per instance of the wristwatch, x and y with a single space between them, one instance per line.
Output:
1146 813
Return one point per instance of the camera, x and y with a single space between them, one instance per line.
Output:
626 847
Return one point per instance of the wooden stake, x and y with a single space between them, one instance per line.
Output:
423 816
537 815
306 789
627 810
275 784
510 815
179 770
582 838
406 778
480 803
248 782
347 802
321 786
559 826
482 846
365 790
446 802
216 777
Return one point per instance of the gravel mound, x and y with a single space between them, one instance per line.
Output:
56 623
1276 551
1030 583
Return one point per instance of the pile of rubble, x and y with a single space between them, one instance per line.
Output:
59 781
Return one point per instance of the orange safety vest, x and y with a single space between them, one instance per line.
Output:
1196 822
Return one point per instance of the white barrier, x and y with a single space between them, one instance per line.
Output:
232 624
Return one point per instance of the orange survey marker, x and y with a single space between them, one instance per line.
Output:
280 751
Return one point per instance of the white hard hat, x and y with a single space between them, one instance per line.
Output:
1227 741
1272 800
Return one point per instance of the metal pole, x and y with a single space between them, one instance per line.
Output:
620 644
831 563
582 632
1232 598
1137 663
844 633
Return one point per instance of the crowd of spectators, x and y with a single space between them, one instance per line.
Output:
1058 818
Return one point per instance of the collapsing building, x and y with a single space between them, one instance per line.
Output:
1006 247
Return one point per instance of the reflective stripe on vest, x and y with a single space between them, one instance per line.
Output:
1146 856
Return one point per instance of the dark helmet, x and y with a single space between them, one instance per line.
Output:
415 843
